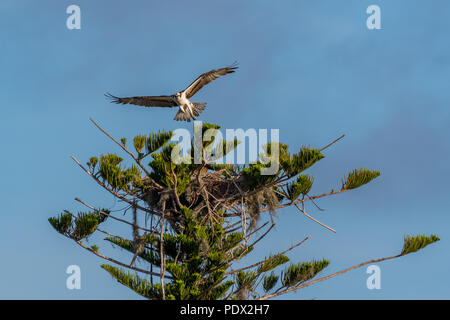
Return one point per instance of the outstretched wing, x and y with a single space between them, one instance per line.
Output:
146 101
206 78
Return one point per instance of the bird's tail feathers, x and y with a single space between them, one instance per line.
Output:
182 116
198 108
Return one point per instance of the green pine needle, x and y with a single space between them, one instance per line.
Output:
246 280
85 225
270 281
358 177
300 161
157 140
139 143
61 223
272 262
301 272
302 186
134 282
93 162
414 243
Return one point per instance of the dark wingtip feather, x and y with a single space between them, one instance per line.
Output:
112 98
233 67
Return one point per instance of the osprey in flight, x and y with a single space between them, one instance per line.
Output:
187 109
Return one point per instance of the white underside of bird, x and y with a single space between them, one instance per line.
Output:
187 110
185 105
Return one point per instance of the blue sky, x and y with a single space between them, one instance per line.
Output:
310 68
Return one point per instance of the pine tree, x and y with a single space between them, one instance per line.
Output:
206 217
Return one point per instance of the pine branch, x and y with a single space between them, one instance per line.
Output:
112 217
113 260
129 152
414 243
262 261
115 193
410 245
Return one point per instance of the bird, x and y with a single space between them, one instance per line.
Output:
187 110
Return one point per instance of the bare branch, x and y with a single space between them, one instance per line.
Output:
113 260
129 152
163 260
262 261
330 144
112 217
304 200
137 243
118 195
326 278
302 210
